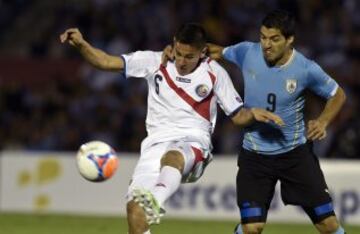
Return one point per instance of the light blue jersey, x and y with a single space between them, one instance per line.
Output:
280 90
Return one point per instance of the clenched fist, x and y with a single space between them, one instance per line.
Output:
73 36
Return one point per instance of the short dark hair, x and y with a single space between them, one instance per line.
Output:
282 20
192 34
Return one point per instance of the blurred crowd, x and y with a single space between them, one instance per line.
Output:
59 113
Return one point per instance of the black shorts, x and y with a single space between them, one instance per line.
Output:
301 182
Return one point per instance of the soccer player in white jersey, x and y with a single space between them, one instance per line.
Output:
182 103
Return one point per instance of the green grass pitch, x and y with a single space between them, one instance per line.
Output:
64 224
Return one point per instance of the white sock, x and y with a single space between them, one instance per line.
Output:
168 182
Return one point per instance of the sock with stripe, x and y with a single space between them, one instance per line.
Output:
168 182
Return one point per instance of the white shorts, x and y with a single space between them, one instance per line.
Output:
147 169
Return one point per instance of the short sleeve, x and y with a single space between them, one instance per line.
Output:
320 82
141 64
236 53
228 98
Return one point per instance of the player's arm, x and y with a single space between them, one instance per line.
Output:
215 51
316 129
247 116
94 56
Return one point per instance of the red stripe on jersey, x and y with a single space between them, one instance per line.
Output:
209 60
213 78
202 107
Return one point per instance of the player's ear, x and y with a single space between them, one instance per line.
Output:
290 40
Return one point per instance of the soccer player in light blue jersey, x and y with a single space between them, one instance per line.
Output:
275 78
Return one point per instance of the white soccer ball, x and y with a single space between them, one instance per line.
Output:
96 161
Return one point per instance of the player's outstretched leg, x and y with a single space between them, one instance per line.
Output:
136 219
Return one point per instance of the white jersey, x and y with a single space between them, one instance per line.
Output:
182 107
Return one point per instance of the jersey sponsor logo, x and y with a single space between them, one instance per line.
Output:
182 79
291 85
202 90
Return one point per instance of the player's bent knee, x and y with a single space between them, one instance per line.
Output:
253 228
174 159
136 218
328 225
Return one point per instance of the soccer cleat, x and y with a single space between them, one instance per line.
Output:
145 199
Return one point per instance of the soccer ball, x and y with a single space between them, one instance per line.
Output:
96 161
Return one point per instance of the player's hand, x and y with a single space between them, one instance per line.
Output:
265 116
73 36
316 130
215 51
167 55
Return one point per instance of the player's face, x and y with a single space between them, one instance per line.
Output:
276 48
187 57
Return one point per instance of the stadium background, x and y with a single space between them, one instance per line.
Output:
52 101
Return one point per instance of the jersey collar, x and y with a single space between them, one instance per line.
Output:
289 60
